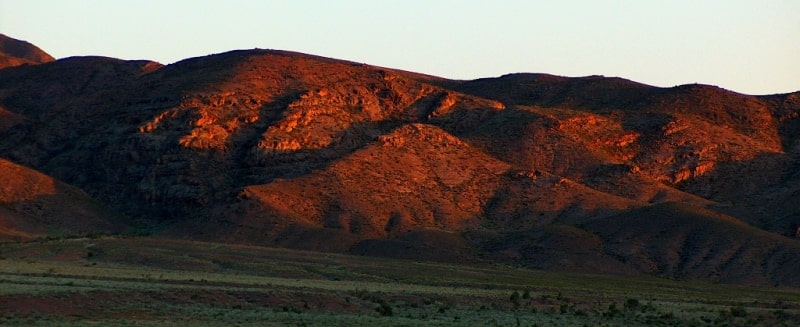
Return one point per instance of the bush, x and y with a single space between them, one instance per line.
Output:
515 299
738 311
631 304
443 308
612 311
384 309
526 295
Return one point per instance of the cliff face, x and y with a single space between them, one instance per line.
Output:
280 148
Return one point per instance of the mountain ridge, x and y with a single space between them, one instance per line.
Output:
278 148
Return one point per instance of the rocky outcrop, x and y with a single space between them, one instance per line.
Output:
415 177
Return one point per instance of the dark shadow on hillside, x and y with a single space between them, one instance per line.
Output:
427 245
594 93
786 109
648 124
681 241
763 191
498 134
66 212
554 247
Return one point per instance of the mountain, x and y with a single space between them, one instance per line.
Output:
15 52
287 149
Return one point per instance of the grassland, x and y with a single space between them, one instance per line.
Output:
110 281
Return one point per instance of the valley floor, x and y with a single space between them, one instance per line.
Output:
160 282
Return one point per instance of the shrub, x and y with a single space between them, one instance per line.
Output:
738 311
611 311
443 308
515 299
631 304
780 315
384 308
526 295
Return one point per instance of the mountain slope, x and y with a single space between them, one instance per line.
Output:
15 52
700 244
413 178
287 149
35 205
723 146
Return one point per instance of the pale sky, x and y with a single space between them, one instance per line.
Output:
748 46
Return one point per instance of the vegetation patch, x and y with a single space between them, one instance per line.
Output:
53 283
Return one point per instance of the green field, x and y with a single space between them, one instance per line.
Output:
157 282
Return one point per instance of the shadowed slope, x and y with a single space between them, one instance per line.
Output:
36 205
682 241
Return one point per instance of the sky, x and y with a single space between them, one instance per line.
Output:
748 46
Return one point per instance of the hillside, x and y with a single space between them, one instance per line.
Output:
701 245
35 205
285 149
15 52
